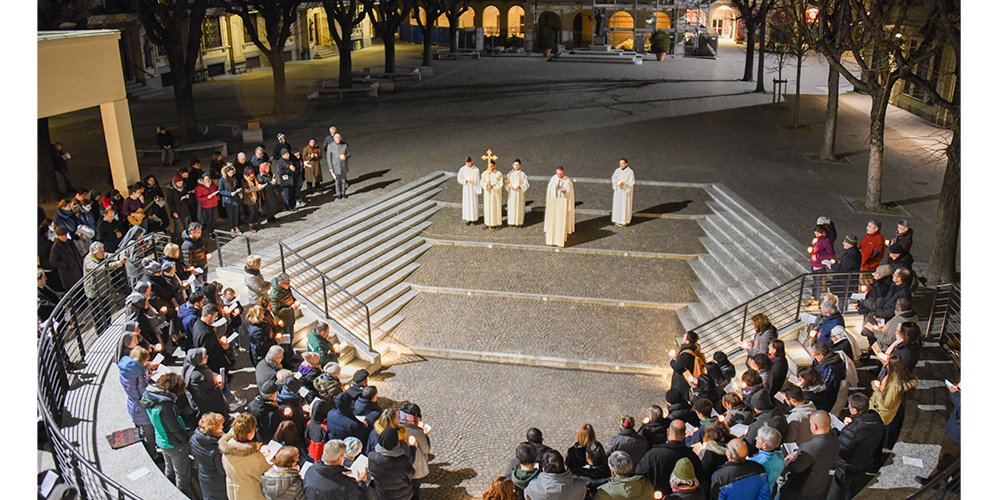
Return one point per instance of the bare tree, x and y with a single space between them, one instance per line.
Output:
754 14
386 17
791 36
344 16
278 16
454 10
432 9
175 26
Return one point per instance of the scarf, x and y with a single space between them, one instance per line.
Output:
254 272
252 188
204 183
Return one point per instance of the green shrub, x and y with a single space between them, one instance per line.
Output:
659 42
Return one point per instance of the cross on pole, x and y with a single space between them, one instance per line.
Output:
489 156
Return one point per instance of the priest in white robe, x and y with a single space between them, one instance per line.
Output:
517 184
559 209
491 185
622 181
468 177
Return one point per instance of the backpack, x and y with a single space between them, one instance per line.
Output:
699 362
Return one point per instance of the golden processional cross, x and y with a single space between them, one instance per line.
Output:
489 156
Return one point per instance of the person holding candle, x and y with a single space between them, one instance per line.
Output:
888 401
858 441
193 247
160 402
320 342
517 185
203 388
207 194
871 246
654 427
622 182
688 362
576 455
242 459
265 411
410 418
367 407
134 377
284 306
764 333
628 441
737 411
205 450
820 255
203 335
329 479
328 384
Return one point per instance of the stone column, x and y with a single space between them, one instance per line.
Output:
120 143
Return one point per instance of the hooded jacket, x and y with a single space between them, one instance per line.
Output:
713 457
161 407
329 482
521 478
268 416
244 465
203 392
211 473
422 448
340 421
826 325
660 460
282 483
134 378
203 335
391 473
328 387
193 251
552 486
629 441
798 424
833 371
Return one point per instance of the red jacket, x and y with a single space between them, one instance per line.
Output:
201 193
822 249
871 247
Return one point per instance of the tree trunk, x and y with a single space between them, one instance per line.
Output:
880 102
748 66
389 42
280 85
944 249
832 103
344 47
760 58
427 45
798 89
452 39
187 127
48 190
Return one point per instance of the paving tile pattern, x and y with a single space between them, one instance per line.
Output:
592 231
654 280
566 330
480 412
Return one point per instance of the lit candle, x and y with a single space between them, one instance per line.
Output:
748 345
288 411
163 309
809 249
159 347
278 336
815 240
833 261
281 323
208 257
305 408
813 333
864 288
722 418
218 378
887 242
412 441
657 495
645 420
420 424
673 352
847 420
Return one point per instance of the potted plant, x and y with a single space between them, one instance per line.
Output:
546 40
659 44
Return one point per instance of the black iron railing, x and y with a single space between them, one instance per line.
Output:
945 323
782 305
320 290
947 485
89 309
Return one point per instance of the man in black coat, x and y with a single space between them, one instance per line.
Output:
659 461
858 441
628 441
654 427
265 409
65 257
680 409
109 231
765 414
360 379
341 423
850 262
899 258
203 335
807 470
684 362
328 479
285 171
193 247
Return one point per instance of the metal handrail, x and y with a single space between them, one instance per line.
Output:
325 280
54 362
725 331
947 310
951 485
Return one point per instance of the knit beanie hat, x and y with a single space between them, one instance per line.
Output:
674 396
761 401
896 248
883 271
627 422
268 387
332 369
389 438
851 238
684 470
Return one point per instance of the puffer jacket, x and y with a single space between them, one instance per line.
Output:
282 483
211 473
340 421
257 286
744 480
629 441
858 441
244 465
193 251
822 249
328 387
391 473
134 378
161 407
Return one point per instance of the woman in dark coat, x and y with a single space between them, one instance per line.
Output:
204 389
270 204
576 455
390 469
205 449
907 347
259 333
152 187
779 364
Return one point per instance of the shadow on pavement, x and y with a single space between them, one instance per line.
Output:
667 208
447 481
373 187
368 176
590 230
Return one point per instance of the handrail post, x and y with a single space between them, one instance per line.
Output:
248 246
798 301
368 323
744 327
281 249
326 302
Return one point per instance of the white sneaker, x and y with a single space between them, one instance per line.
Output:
300 204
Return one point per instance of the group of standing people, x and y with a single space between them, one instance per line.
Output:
560 197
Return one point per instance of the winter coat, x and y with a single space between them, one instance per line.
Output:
877 292
328 387
188 315
376 431
514 464
625 488
833 372
659 463
276 153
777 376
266 371
682 411
713 457
887 310
744 480
683 362
809 472
363 407
257 286
284 173
340 421
904 261
773 462
329 482
773 418
629 441
858 441
886 401
871 247
551 486
281 300
761 341
226 187
134 378
244 464
391 473
334 150
575 457
822 249
201 193
252 189
203 335
67 219
798 424
261 339
48 299
887 335
850 262
654 432
97 277
593 476
268 417
323 347
741 414
161 407
311 161
422 448
211 473
203 391
826 325
178 205
905 240
66 259
282 483
106 233
193 251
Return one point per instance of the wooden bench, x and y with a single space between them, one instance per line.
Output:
202 75
210 146
401 69
370 90
447 54
240 67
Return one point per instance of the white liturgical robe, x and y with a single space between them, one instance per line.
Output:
623 181
559 210
468 177
491 184
517 184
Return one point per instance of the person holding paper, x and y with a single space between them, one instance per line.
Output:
517 184
850 262
468 177
560 209
765 415
340 421
410 419
389 464
207 194
712 449
203 388
282 481
319 342
256 285
832 371
888 398
820 253
491 185
769 454
654 427
160 402
798 419
807 470
259 333
265 411
203 335
242 459
622 182
284 306
134 377
886 335
858 441
328 479
193 248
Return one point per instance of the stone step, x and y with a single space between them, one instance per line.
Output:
403 254
387 297
386 327
755 241
347 369
697 314
714 278
389 311
736 267
748 254
395 246
320 231
708 299
382 280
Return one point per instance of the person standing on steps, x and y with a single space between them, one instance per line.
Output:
337 155
623 182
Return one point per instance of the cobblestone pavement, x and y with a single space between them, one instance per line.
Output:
594 196
480 412
593 231
536 328
653 280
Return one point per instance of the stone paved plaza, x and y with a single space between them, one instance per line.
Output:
682 121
